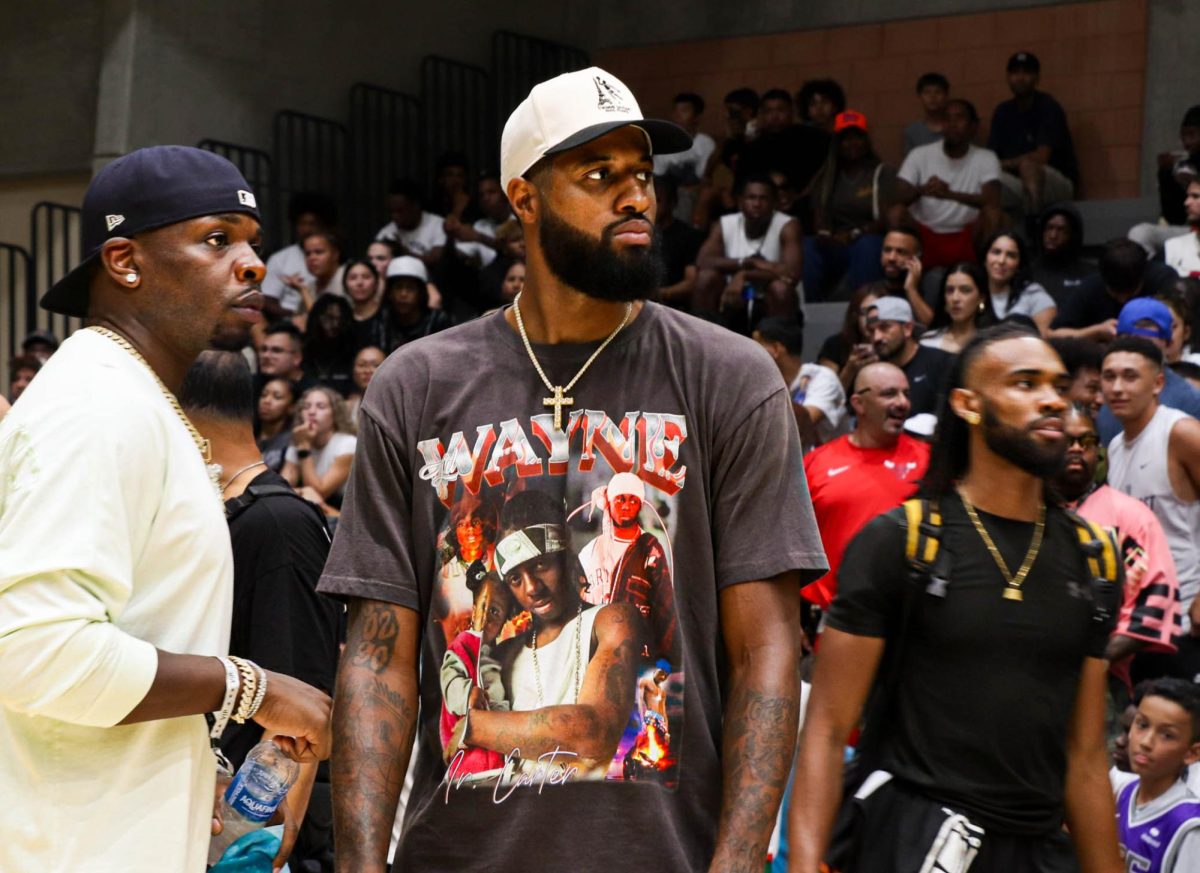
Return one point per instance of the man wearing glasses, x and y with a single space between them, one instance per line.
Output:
1150 610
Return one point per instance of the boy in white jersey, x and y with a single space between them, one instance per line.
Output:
1156 457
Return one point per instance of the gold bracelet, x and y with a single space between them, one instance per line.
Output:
249 687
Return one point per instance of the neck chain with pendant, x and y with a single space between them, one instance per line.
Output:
559 400
1012 584
202 445
537 673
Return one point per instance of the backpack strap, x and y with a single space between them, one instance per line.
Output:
1099 547
924 536
237 505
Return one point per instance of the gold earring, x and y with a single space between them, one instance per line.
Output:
971 418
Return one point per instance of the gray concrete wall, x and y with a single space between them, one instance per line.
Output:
1172 79
636 22
49 61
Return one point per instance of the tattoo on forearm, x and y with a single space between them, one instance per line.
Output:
760 735
373 724
375 642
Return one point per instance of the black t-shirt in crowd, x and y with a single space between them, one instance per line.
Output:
371 332
799 151
279 620
927 372
980 714
680 245
1090 303
1015 132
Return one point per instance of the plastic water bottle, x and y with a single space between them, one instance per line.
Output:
252 797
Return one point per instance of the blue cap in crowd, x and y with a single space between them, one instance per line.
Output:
144 190
1146 309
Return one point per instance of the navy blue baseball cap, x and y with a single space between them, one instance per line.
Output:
143 190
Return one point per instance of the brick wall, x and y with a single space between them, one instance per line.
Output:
1093 61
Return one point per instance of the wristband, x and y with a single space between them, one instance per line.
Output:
232 685
303 453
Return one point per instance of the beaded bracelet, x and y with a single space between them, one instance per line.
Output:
261 692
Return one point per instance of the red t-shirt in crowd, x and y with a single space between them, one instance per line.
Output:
849 487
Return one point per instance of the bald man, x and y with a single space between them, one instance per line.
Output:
862 474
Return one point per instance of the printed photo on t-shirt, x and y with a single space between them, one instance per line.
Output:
553 613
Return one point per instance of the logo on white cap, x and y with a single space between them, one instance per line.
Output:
611 99
111 221
247 199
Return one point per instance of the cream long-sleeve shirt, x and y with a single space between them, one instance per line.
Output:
113 544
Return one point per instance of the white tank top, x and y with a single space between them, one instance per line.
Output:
555 666
738 245
1139 468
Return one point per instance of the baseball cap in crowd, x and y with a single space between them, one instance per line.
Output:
40 338
849 118
1146 309
1024 61
571 110
890 308
408 267
144 190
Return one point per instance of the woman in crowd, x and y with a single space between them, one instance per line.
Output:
514 280
409 315
329 343
276 408
1183 298
849 350
322 446
851 194
366 362
322 259
380 254
1011 292
361 283
963 307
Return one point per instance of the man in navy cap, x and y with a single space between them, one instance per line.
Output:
1029 134
115 565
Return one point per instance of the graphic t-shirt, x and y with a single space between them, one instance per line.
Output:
985 692
682 439
1150 609
849 487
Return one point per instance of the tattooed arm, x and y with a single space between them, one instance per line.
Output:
760 622
374 720
590 728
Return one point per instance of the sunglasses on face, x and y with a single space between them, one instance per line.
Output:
1087 441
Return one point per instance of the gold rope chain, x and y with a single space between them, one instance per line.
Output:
1012 590
559 400
202 444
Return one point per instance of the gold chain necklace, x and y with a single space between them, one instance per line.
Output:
202 445
558 401
1012 589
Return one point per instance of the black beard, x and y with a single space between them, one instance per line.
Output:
596 268
230 339
1018 446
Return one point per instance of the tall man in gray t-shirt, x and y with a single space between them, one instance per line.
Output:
578 381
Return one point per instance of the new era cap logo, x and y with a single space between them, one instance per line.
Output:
609 98
111 221
247 199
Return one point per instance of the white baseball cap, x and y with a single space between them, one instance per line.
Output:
407 265
572 109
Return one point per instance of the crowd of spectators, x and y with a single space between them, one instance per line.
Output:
794 206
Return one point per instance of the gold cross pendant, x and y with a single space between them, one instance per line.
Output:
558 402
